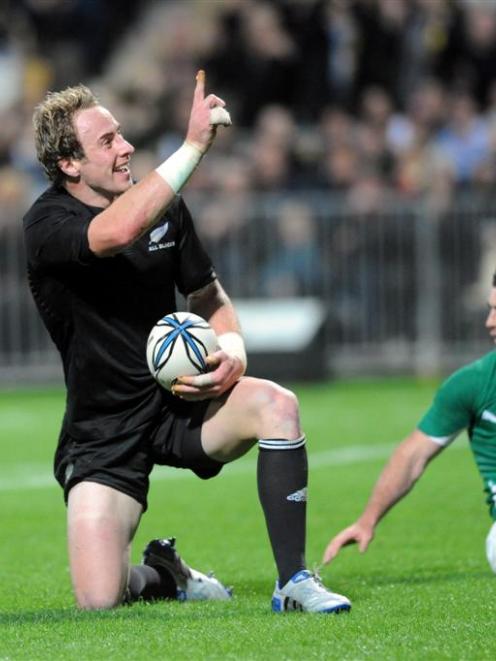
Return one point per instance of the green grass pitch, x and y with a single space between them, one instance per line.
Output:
422 591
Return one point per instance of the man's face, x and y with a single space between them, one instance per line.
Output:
104 171
491 315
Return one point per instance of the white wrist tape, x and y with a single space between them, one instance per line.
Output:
219 115
179 167
233 344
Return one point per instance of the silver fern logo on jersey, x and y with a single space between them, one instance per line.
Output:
156 236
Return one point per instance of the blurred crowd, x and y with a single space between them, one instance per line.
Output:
364 101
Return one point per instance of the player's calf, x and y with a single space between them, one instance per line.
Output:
491 547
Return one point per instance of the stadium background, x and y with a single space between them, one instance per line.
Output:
358 175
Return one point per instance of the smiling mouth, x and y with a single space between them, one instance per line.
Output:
123 169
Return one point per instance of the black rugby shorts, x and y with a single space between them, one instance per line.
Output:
176 440
125 462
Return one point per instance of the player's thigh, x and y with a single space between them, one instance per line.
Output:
101 525
252 409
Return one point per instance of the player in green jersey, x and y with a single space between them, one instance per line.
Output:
465 401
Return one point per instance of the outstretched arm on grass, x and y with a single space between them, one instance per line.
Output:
406 465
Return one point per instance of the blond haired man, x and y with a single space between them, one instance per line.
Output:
101 279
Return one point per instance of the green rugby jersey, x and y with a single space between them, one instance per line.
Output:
467 400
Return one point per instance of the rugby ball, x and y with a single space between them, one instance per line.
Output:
178 345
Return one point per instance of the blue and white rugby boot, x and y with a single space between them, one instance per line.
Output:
305 592
191 584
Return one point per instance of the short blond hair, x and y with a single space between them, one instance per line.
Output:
55 135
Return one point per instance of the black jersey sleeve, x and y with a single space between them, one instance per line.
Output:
195 267
56 235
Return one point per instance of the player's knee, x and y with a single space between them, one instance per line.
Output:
96 591
284 403
95 601
272 404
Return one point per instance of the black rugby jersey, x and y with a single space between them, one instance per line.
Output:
99 311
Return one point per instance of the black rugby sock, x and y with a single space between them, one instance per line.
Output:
282 475
149 584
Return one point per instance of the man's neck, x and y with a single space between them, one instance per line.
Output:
89 196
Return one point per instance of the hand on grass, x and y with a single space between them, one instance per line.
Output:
357 533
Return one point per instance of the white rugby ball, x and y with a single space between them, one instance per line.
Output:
178 345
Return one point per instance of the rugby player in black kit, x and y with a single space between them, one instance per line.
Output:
101 279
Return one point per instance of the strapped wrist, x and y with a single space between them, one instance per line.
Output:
233 344
178 168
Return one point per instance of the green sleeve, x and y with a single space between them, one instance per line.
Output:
453 406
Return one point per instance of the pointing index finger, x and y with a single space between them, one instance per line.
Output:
200 84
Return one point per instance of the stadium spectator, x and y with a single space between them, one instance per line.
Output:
466 401
381 26
425 38
342 50
469 56
465 141
375 107
76 36
293 267
99 290
339 168
258 56
271 166
428 106
224 222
